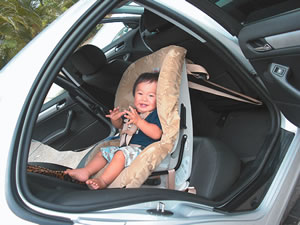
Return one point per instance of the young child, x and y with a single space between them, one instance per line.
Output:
149 131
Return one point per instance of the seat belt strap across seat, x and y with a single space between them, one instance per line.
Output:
195 70
171 183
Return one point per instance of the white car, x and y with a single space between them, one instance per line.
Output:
246 157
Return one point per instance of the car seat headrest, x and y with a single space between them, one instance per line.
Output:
155 62
88 59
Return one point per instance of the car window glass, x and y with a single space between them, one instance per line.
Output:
123 31
249 11
105 33
108 33
54 91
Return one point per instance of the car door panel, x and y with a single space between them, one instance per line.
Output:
282 28
129 47
66 125
273 48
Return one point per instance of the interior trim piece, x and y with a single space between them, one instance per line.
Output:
285 40
46 113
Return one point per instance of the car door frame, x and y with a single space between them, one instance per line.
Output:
17 191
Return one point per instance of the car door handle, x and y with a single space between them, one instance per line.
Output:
264 48
60 105
50 111
119 46
260 45
62 132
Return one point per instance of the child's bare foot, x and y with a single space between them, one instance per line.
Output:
80 174
96 183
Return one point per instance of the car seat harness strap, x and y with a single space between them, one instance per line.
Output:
129 130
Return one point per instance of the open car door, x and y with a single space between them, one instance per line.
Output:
273 48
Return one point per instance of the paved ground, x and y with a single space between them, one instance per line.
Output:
293 217
43 153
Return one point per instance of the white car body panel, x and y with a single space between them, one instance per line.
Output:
23 74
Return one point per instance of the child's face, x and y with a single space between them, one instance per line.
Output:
145 97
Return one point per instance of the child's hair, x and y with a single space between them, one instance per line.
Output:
145 77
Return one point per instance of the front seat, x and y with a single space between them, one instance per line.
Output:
100 77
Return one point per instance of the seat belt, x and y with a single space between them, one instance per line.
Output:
129 130
200 72
171 182
171 179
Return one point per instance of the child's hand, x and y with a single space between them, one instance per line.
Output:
132 115
115 114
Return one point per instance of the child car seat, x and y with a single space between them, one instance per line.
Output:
171 157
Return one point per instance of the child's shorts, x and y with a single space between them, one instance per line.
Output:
130 153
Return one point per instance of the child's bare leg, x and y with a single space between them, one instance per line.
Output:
114 168
93 166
